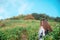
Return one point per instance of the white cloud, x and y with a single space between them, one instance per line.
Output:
12 2
20 5
22 8
23 5
3 13
1 17
1 10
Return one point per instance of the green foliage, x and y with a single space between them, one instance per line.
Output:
2 36
47 17
30 31
55 35
36 16
40 16
57 19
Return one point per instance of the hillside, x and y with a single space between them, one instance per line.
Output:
24 30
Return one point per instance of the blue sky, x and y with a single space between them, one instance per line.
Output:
9 8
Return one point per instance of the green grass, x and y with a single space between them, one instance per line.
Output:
15 29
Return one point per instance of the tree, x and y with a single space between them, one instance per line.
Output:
40 16
57 19
36 16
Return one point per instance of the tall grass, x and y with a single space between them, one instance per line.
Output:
30 31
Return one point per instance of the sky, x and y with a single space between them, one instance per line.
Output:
10 8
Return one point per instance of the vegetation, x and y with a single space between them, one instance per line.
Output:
26 27
57 19
35 16
28 17
26 30
55 35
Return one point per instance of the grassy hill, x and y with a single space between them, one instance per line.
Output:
26 30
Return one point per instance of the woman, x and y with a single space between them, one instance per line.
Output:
44 28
